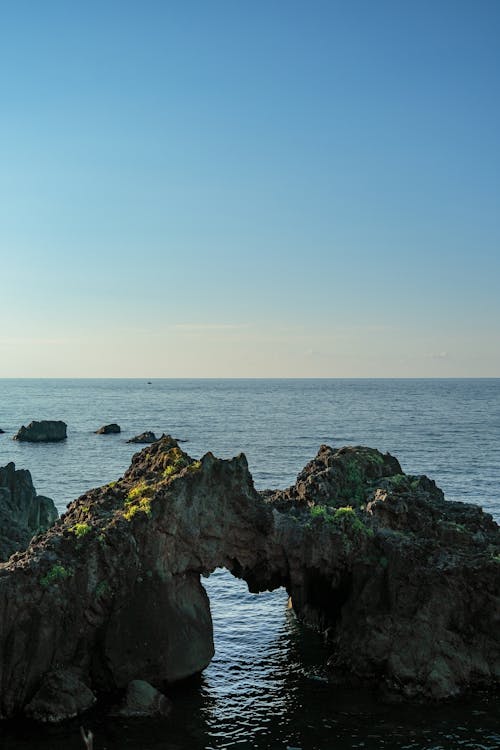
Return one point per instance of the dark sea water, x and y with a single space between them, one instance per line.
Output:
265 687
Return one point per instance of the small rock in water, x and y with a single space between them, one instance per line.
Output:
108 429
142 699
46 431
144 437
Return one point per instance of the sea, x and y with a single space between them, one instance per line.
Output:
266 687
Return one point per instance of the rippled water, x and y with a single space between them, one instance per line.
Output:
264 688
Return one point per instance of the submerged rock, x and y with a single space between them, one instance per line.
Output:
22 512
143 700
108 429
144 437
405 585
46 431
2 432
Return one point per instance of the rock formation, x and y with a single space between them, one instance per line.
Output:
46 431
22 512
144 437
143 700
62 695
405 585
108 429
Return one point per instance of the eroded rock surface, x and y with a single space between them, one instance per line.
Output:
405 585
22 512
46 431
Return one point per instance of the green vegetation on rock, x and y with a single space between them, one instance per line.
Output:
139 497
375 458
177 461
141 489
101 589
355 479
80 529
398 479
344 518
56 573
132 507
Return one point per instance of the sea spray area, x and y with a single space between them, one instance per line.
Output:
300 711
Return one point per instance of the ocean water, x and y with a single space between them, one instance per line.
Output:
265 687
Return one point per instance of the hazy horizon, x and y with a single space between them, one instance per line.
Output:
153 379
269 190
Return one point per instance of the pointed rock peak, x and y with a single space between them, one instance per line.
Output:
156 458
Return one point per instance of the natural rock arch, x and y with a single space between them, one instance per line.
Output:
375 558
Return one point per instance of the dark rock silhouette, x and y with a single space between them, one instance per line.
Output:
405 585
143 700
62 695
108 429
22 512
46 431
144 437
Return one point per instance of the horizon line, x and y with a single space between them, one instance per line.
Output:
333 377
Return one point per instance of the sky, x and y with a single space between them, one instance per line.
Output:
236 188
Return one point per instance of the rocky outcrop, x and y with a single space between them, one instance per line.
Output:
46 431
144 437
108 429
405 585
143 700
22 512
62 695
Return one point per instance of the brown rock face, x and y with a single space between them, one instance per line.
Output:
406 585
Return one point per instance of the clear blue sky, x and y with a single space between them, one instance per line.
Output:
250 188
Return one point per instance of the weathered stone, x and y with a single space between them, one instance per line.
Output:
62 695
405 584
108 429
144 437
46 431
22 512
143 700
